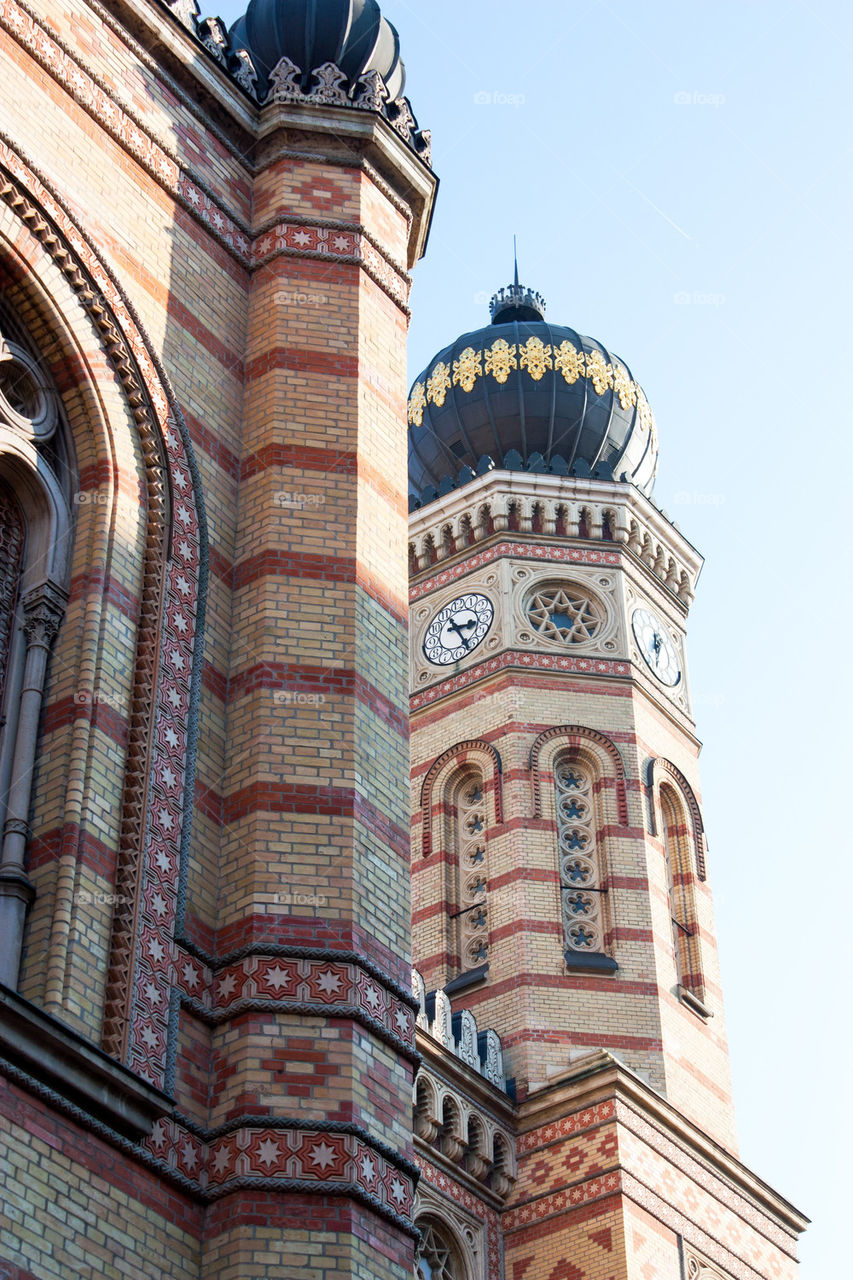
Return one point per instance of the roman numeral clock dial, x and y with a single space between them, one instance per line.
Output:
657 650
458 629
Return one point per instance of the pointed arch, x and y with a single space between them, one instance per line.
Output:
132 446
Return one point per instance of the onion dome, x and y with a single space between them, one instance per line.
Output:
525 394
352 34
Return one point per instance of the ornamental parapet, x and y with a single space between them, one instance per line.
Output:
462 1108
324 86
545 506
458 1033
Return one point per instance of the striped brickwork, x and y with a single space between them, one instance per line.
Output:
268 958
620 1186
526 705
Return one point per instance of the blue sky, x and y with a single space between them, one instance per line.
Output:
679 177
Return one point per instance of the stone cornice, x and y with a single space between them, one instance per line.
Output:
599 1076
62 1060
640 527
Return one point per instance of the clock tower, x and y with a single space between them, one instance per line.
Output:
560 869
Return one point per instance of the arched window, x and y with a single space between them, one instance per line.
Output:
678 841
438 1256
35 522
468 825
583 882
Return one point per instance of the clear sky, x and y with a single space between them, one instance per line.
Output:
679 177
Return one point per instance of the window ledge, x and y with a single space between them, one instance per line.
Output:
466 980
694 1004
83 1074
585 961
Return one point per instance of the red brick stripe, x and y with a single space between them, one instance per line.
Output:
88 851
299 931
294 564
66 711
328 681
319 1215
208 442
303 459
190 324
92 582
320 568
302 361
342 802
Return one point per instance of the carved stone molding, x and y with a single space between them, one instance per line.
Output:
43 611
153 828
553 508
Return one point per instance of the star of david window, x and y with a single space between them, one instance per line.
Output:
565 614
437 1258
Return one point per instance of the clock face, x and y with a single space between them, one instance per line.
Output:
458 629
659 653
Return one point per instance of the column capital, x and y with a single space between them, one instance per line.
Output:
43 609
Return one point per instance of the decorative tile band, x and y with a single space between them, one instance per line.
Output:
278 1154
273 982
334 244
527 661
578 1122
561 1201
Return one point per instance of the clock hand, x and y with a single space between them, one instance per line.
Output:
454 626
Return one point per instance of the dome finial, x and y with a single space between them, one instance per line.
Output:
515 302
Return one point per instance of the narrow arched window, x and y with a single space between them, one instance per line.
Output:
583 887
35 523
677 845
469 822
